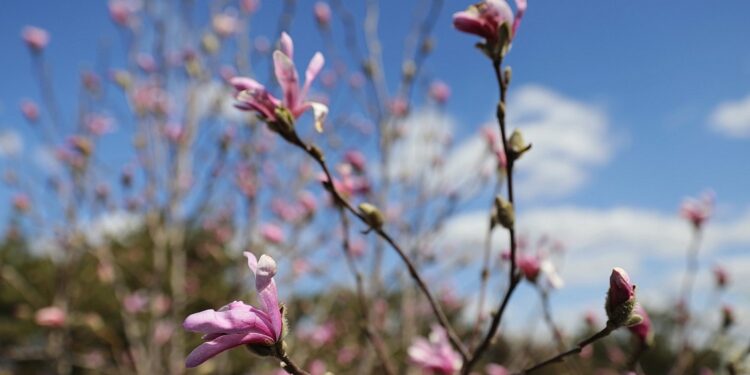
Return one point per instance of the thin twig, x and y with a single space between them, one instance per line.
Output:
560 357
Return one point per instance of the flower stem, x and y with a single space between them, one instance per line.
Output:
577 349
513 278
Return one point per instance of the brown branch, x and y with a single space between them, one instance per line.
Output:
577 349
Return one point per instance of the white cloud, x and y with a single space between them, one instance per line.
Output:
569 138
732 118
11 144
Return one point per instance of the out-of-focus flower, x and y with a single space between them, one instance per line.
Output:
642 330
550 273
620 299
122 11
30 110
238 323
322 13
146 62
135 302
697 211
495 369
163 331
399 107
529 266
487 19
252 96
35 37
721 276
51 316
272 233
249 6
98 125
435 354
727 317
440 92
356 159
21 203
224 24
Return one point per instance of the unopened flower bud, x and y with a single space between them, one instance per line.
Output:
621 300
727 317
408 70
517 144
372 214
504 213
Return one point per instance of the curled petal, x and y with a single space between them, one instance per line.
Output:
244 83
211 348
320 112
264 270
234 318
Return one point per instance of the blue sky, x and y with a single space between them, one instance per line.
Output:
653 72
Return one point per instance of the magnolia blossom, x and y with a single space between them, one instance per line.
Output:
721 276
272 233
322 13
252 96
51 316
495 369
36 38
529 266
440 92
435 354
30 110
486 17
697 211
238 323
643 329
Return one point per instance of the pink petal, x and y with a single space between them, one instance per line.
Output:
237 318
244 83
316 64
210 349
287 46
286 74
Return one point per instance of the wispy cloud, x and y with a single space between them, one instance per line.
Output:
732 118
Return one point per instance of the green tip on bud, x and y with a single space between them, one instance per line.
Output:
504 213
518 145
372 215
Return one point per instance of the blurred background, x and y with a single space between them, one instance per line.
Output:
132 184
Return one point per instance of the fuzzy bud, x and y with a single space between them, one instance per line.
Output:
372 214
504 213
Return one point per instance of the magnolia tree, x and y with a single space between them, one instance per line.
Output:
197 148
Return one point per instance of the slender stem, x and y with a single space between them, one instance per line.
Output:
372 335
437 310
290 367
577 349
513 279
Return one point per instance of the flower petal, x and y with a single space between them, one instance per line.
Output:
286 74
264 270
287 45
313 68
320 112
244 83
209 349
234 318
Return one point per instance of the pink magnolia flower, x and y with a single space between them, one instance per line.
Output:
322 13
51 316
356 159
697 211
252 96
440 92
486 17
21 203
272 233
238 323
435 354
495 369
642 330
721 276
30 110
98 125
224 24
529 266
122 11
36 38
